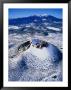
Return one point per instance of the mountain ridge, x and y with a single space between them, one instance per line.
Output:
35 19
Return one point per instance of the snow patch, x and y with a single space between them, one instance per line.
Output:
13 27
53 28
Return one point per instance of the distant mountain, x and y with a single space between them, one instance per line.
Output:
34 19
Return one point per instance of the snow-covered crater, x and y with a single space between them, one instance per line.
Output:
43 50
37 57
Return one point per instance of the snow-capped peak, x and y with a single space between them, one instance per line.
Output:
44 15
40 15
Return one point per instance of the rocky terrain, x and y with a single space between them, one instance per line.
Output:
35 49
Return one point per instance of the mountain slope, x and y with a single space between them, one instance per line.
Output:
35 19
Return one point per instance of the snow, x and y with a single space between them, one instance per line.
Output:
53 28
43 19
50 52
35 64
40 53
27 26
44 15
13 27
40 15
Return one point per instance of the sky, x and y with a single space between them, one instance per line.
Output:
19 13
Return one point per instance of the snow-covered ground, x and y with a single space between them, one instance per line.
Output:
53 28
13 27
34 64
